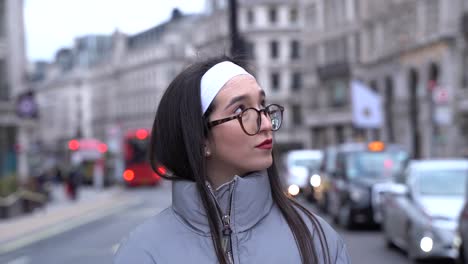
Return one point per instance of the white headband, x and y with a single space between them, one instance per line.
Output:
215 78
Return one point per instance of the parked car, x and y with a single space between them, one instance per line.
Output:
325 174
422 208
300 165
362 171
462 235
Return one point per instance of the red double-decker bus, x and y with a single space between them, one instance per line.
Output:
137 167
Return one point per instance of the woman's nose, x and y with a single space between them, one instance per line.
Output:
265 122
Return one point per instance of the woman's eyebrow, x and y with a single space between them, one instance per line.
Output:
235 100
243 97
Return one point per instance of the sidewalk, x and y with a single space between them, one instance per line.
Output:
60 215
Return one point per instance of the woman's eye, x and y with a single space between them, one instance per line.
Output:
239 109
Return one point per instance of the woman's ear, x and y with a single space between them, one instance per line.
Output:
207 149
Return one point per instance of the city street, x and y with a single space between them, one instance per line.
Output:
365 245
95 242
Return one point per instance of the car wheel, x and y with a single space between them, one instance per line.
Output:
335 219
345 217
411 246
461 256
322 204
387 238
310 195
331 212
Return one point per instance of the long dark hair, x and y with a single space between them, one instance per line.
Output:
178 135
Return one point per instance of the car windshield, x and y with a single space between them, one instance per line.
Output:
447 182
330 161
309 163
374 164
136 151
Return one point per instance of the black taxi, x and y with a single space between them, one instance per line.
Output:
362 171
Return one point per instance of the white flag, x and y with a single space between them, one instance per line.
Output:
367 106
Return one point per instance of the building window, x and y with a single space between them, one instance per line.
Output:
4 87
319 138
293 14
375 134
359 134
250 50
297 115
295 49
340 138
273 14
274 49
275 81
337 90
250 17
296 81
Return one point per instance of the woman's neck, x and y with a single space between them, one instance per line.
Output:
219 175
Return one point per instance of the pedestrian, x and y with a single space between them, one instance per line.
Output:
58 177
73 182
212 136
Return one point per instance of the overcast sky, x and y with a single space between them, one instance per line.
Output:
52 24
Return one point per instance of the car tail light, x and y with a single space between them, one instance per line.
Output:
128 175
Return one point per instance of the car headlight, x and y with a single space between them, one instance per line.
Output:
293 189
315 180
426 244
358 194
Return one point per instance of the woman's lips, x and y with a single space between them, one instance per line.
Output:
267 144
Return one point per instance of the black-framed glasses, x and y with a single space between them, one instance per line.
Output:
251 120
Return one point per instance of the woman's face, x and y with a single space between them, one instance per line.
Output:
232 150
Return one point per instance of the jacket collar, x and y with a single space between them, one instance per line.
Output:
251 202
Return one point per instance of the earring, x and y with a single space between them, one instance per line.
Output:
207 153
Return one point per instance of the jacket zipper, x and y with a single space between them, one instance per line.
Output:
226 221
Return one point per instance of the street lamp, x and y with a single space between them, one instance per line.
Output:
237 43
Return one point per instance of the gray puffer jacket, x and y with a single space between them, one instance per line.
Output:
258 231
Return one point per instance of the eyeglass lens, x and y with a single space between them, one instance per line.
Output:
251 119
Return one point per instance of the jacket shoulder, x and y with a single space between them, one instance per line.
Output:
334 242
146 240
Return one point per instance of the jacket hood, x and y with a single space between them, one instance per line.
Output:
251 201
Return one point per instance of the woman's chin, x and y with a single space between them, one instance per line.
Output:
262 166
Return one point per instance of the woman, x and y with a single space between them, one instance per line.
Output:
212 135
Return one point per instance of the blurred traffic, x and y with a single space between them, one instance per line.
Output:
417 204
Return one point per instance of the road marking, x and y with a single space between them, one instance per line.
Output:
65 226
20 260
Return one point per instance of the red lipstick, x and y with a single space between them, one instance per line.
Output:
267 144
